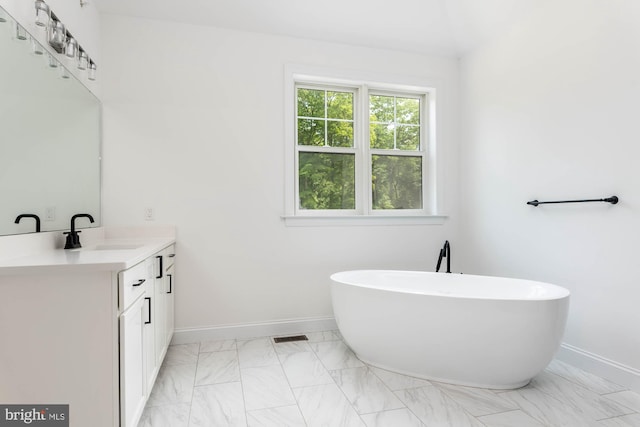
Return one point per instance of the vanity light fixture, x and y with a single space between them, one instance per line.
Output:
36 47
64 73
43 14
71 49
92 70
53 62
19 32
83 59
57 35
58 38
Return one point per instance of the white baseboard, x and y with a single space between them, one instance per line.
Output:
251 330
613 371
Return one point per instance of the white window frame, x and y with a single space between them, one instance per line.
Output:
363 214
355 150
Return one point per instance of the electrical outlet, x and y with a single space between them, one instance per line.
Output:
148 214
50 213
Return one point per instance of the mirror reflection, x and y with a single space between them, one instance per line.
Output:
49 139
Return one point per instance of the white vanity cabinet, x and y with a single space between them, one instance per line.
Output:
88 328
137 341
164 283
144 336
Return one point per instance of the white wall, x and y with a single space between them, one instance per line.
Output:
550 111
194 128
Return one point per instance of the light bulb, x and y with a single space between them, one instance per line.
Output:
83 60
43 14
71 49
92 71
36 47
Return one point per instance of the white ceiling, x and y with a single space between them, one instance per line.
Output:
445 27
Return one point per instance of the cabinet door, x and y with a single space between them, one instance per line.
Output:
160 309
170 303
149 335
132 363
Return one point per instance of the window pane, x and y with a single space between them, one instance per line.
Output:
340 134
310 132
408 111
311 103
408 137
340 105
381 136
396 182
381 108
327 181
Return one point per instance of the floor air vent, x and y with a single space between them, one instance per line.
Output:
293 338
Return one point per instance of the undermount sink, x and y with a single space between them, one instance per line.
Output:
115 247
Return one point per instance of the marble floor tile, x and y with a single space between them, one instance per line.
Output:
322 383
218 405
284 416
336 355
434 408
585 379
217 367
547 409
292 347
510 419
173 385
176 415
220 345
396 417
256 352
595 406
366 392
304 369
397 381
182 354
626 398
266 387
632 420
476 401
324 336
325 405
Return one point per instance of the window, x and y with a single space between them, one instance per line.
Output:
326 149
360 149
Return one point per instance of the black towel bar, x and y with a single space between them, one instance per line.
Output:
613 200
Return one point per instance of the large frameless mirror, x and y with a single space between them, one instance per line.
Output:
50 135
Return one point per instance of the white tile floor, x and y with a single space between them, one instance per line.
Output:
322 383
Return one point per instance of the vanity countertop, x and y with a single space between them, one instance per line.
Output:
98 254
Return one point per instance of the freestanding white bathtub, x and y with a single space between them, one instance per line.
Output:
478 331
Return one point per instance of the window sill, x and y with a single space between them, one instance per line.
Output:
356 220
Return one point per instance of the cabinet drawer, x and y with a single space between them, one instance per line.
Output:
132 283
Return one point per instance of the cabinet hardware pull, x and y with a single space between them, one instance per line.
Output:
171 255
140 282
170 283
148 298
159 258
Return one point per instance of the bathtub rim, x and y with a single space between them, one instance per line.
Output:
557 292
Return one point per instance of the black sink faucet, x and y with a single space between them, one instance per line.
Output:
445 252
36 217
73 239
